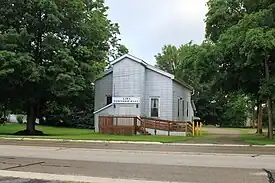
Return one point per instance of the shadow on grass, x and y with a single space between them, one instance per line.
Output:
255 139
30 133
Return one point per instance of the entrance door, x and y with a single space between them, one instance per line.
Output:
126 111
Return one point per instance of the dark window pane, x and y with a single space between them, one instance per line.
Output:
183 108
109 100
187 107
154 112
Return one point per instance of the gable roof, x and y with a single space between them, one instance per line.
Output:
148 66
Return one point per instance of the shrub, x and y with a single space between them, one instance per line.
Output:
20 118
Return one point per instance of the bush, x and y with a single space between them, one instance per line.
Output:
20 118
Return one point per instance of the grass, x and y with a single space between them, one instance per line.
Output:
86 134
255 139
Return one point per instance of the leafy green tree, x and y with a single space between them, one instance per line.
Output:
245 39
169 59
194 65
238 110
120 50
51 50
221 15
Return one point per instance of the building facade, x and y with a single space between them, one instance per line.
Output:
131 87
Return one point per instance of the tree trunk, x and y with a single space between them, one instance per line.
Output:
269 113
31 117
5 111
268 103
260 118
253 117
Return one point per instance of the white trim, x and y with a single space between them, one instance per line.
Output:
128 56
193 105
183 108
150 98
160 71
105 107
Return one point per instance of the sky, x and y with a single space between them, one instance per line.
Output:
147 25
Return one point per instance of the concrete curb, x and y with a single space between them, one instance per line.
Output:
86 141
136 142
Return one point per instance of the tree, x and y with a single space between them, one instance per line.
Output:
51 50
168 59
221 15
237 110
245 39
119 51
194 65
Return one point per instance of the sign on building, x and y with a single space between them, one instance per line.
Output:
126 100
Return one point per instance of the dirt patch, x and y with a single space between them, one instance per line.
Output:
219 139
229 131
223 136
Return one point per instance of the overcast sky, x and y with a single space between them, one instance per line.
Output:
147 25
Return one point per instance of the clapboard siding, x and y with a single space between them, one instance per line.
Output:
158 85
103 87
129 79
180 91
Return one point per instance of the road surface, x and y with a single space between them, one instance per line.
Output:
101 163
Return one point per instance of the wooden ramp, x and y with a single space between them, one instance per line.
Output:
129 125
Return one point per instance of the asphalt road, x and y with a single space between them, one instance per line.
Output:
134 163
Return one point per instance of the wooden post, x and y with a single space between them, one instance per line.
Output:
197 129
168 128
135 125
99 121
155 127
193 128
186 125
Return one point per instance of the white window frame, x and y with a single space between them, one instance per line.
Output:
183 108
150 98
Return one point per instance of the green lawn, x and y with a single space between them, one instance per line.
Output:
255 139
86 134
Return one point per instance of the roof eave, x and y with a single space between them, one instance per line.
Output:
130 57
184 84
104 74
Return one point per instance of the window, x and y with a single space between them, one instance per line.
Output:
154 107
109 100
183 108
187 107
